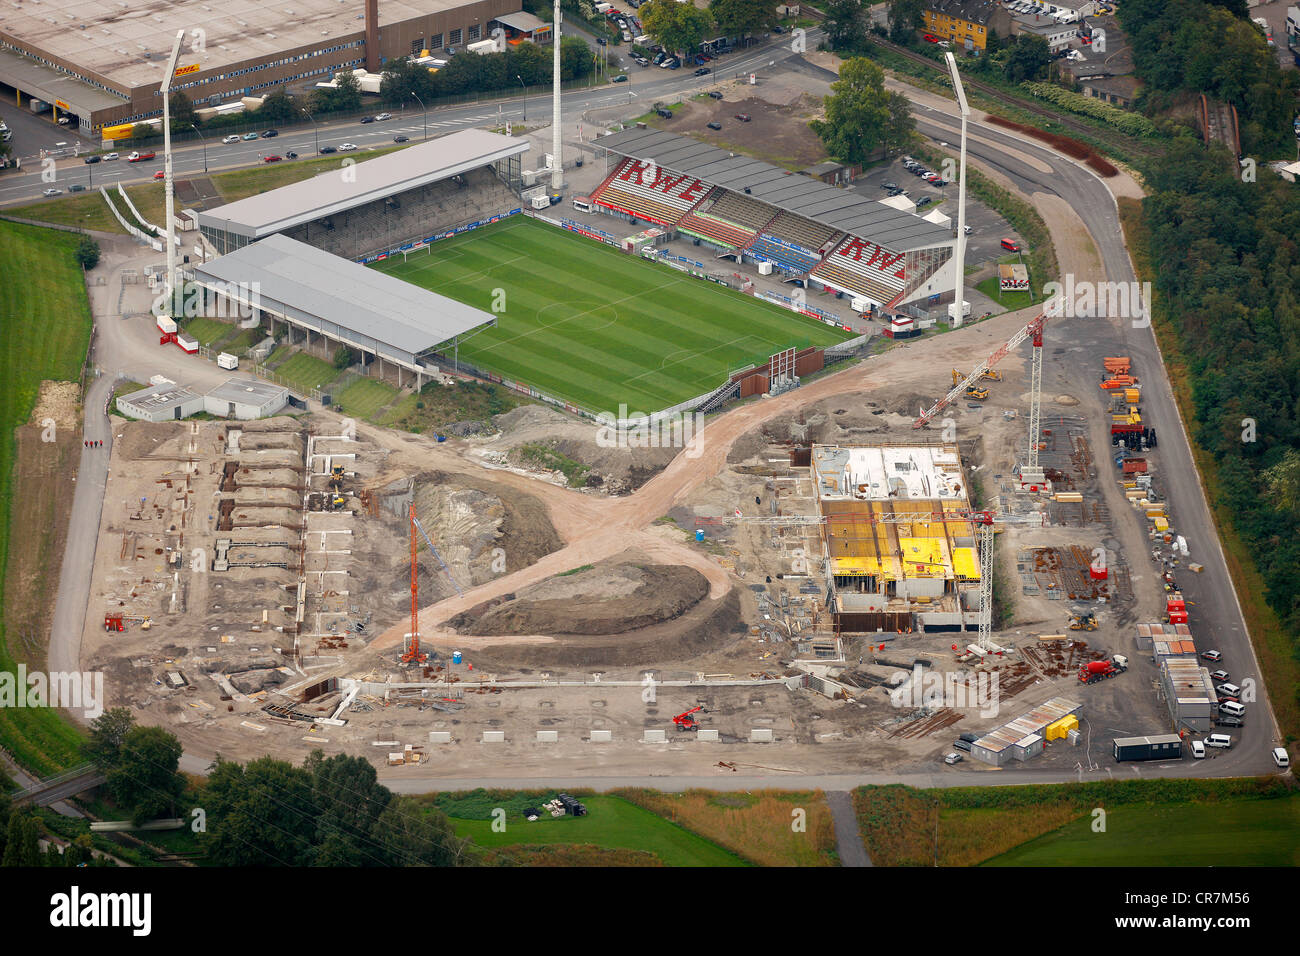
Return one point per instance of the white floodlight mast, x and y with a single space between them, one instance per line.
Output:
557 163
958 301
165 89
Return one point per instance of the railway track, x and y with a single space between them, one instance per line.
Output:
1124 144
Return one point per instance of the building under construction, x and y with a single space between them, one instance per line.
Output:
894 563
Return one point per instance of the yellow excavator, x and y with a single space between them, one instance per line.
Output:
975 392
1083 622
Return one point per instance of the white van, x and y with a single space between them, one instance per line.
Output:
582 204
1198 749
1280 757
1218 740
1232 708
1229 690
227 361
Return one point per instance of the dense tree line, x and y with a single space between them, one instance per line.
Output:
1226 258
1195 46
480 73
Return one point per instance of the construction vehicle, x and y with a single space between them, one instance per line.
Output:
686 722
1083 622
1095 671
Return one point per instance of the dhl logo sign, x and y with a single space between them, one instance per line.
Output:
185 70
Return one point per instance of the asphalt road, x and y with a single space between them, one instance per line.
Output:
1215 611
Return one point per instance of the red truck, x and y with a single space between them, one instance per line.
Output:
1102 670
141 157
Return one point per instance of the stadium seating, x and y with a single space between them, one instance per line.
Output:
863 268
741 209
418 213
706 224
785 256
798 231
650 192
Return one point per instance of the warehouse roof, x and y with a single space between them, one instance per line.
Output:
247 391
522 21
1027 725
842 209
331 193
343 299
159 398
114 38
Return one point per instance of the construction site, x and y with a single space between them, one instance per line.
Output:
837 585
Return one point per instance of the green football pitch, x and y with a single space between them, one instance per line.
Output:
587 323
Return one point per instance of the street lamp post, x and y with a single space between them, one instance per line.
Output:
426 112
315 130
205 146
525 89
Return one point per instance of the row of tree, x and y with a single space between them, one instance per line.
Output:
682 27
1200 46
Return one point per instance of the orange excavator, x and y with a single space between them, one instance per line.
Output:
686 721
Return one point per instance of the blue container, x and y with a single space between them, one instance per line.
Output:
699 534
442 438
455 657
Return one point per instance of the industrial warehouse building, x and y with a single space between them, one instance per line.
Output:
893 564
101 61
241 398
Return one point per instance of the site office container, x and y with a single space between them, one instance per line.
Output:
1162 747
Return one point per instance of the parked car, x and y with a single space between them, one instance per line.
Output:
674 63
1012 246
715 94
962 745
160 175
1280 757
931 38
272 158
1205 655
659 57
52 192
384 116
1229 720
1219 675
232 138
347 147
924 201
715 126
968 230
399 138
249 136
621 78
91 160
267 134
109 157
744 117
1198 749
665 114
327 149
953 758
889 185
1223 741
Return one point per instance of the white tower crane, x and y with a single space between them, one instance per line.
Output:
165 90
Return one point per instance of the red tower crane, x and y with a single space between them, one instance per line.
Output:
412 653
1034 331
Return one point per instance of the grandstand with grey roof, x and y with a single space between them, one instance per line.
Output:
812 232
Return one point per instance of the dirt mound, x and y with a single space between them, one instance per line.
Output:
612 597
614 467
141 439
480 528
60 401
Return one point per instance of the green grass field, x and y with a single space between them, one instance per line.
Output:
610 822
585 322
304 372
364 397
44 307
1241 832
